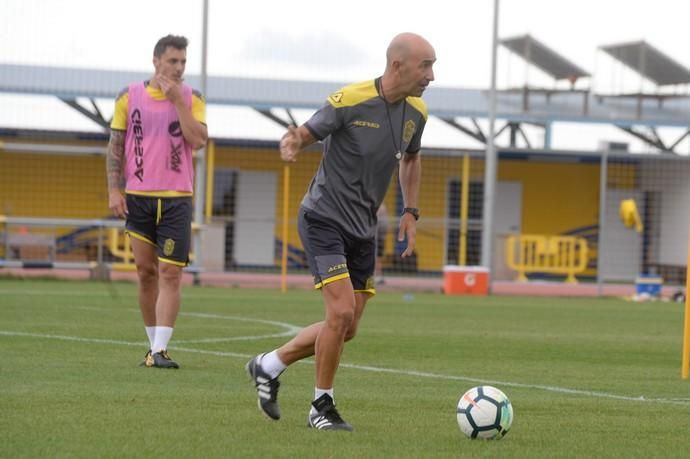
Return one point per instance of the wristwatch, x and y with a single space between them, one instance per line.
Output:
411 210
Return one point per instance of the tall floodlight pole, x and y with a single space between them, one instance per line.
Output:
490 161
200 176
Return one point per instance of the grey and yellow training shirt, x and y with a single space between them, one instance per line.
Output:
359 153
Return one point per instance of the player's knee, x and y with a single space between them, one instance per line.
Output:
147 272
170 274
342 318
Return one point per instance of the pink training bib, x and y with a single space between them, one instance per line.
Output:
157 156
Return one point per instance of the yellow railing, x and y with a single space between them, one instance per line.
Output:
565 255
118 244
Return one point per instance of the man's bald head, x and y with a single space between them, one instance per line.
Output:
403 45
409 66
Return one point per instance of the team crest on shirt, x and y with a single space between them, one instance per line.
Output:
168 247
336 97
408 131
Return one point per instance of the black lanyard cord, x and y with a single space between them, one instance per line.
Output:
396 148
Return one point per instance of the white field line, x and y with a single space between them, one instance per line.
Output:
108 292
112 341
413 373
291 330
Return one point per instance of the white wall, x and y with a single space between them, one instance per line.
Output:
507 222
620 254
672 179
255 218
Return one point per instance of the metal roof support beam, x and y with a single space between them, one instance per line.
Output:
479 129
96 117
651 140
515 130
97 111
657 138
547 133
268 114
680 139
292 118
523 135
500 131
513 134
478 135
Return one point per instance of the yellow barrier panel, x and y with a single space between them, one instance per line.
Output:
565 255
119 247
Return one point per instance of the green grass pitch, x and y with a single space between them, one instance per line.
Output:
587 377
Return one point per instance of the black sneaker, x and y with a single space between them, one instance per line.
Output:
326 416
162 360
266 388
148 360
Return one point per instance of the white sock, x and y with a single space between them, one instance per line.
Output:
318 393
272 364
163 335
151 333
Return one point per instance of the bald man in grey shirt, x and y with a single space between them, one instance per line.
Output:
367 130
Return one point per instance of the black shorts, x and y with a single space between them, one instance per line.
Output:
334 254
380 241
163 222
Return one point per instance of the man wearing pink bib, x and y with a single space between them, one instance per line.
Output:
156 125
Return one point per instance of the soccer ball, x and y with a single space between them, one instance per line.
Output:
485 412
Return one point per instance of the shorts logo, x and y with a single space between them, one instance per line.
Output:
168 247
408 132
337 267
369 284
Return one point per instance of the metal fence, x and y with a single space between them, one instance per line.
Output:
54 201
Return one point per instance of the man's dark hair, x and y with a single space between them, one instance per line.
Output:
176 41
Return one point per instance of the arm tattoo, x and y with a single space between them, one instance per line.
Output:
115 159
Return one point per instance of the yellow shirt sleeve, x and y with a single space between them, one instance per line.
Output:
119 121
199 107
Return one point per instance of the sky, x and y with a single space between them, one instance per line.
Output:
341 41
